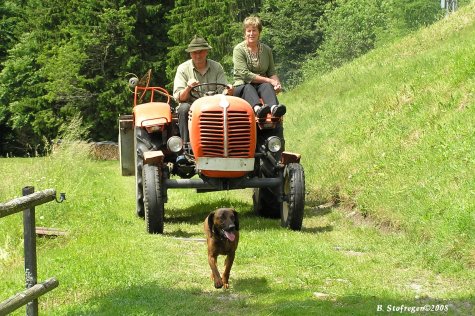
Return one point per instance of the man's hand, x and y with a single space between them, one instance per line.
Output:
192 83
185 94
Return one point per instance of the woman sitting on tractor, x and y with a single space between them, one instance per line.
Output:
254 73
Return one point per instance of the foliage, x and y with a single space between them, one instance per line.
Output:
405 16
86 50
62 59
291 30
10 13
21 84
353 27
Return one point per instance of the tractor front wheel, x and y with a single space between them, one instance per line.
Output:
141 144
294 197
153 199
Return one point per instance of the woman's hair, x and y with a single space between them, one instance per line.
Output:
252 21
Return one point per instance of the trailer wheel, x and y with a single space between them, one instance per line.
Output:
153 199
294 197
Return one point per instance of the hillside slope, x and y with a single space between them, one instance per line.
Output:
392 135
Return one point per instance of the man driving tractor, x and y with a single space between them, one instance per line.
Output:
193 72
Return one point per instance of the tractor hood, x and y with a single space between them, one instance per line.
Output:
223 127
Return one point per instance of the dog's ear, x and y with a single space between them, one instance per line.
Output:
236 220
211 221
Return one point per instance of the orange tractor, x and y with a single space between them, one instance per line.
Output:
229 149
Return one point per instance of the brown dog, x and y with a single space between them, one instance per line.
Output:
222 235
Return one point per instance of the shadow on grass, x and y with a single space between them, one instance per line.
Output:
254 296
257 284
312 210
196 214
179 233
318 230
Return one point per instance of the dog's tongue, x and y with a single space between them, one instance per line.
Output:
229 235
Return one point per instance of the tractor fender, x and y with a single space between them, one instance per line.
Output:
289 157
152 114
154 157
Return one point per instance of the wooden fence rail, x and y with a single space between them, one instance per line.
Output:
22 298
27 204
27 201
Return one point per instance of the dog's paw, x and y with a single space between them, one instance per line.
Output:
218 283
225 281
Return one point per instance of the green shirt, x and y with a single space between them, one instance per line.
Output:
214 74
247 67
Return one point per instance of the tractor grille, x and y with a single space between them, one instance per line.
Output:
219 141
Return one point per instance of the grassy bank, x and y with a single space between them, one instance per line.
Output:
391 137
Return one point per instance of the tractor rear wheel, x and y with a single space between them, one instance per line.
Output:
265 203
294 196
153 199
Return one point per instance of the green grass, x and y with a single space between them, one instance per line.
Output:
108 264
392 137
388 139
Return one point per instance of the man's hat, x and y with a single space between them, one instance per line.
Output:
197 43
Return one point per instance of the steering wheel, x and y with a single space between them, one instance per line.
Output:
196 93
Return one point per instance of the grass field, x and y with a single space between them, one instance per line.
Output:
387 145
108 264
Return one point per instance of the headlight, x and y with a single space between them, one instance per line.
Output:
133 82
175 144
274 144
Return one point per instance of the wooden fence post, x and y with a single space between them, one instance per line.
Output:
33 290
29 234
